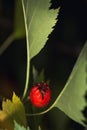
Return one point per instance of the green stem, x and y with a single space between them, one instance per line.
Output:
35 121
6 44
27 74
28 59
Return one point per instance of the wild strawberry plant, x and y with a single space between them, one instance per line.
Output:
36 22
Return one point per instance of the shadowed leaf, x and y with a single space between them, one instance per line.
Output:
19 28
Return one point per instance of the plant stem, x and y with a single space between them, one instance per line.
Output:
28 59
6 44
27 75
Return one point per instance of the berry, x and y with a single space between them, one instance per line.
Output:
40 95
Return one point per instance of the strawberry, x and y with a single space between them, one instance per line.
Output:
40 95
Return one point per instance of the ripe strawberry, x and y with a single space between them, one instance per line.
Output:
40 95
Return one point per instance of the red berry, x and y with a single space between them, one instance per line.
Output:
40 95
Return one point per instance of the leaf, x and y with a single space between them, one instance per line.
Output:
39 20
39 128
18 127
38 76
12 110
72 98
5 121
19 27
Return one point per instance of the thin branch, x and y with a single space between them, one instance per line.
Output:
6 44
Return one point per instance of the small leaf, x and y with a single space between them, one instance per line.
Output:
35 74
39 128
18 127
38 76
72 100
12 110
39 20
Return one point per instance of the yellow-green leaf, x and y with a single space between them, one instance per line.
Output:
12 110
5 121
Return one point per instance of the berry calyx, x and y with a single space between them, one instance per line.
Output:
40 95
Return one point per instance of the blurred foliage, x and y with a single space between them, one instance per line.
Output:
12 110
57 57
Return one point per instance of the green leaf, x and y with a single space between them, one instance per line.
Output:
39 20
39 128
12 110
18 127
19 27
72 99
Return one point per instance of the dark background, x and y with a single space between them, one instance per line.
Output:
57 57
